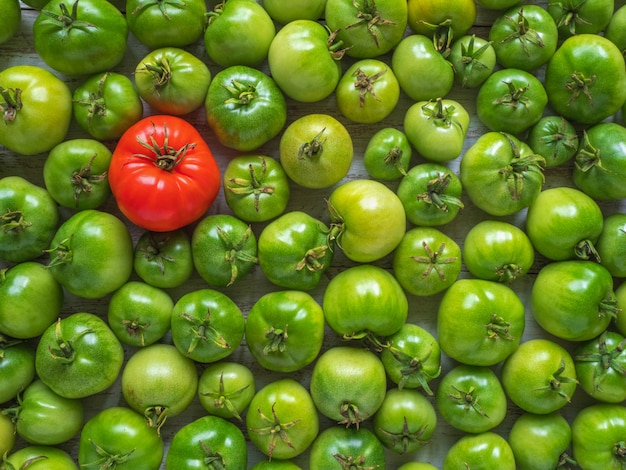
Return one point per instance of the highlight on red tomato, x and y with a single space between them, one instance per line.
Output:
163 174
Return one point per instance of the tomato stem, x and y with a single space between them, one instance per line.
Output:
222 399
13 221
498 328
108 460
83 180
253 185
60 254
406 439
468 399
365 84
96 104
580 84
136 328
369 15
165 157
443 35
153 251
234 251
201 331
242 94
514 172
311 258
275 429
433 259
522 32
12 103
586 250
68 20
435 193
470 58
314 148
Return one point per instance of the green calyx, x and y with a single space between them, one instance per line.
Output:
254 185
435 193
605 360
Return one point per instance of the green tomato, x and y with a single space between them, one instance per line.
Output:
437 128
615 30
595 436
285 330
573 299
358 210
294 251
11 19
367 92
225 389
224 249
172 80
471 398
139 314
106 104
163 259
406 420
482 450
555 138
539 376
295 10
79 356
426 261
611 246
480 322
575 18
540 442
160 24
238 32
256 187
30 289
431 194
495 250
364 300
207 325
7 434
75 173
338 447
316 151
441 20
36 457
304 58
245 108
66 45
473 59
36 107
282 421
208 441
348 384
388 154
91 254
17 367
620 319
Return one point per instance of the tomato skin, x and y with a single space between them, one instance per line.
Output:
575 18
172 80
426 261
555 138
45 418
238 32
365 40
511 100
296 10
78 50
11 20
614 31
163 259
32 290
600 163
285 405
596 432
40 117
207 325
364 299
37 457
358 208
437 128
388 154
501 174
480 322
285 330
579 88
422 72
207 437
158 381
182 180
78 356
225 389
482 450
405 421
139 314
337 447
256 187
564 223
471 398
224 249
17 367
7 434
540 442
304 60
75 173
423 13
368 91
539 376
348 384
106 104
124 439
91 254
620 295
245 108
294 251
473 59
495 250
573 299
316 151
610 244
430 194
524 37
174 24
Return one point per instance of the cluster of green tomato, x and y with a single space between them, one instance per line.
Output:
545 102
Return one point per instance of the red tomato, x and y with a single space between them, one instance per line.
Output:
163 174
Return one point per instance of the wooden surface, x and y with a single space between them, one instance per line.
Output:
20 50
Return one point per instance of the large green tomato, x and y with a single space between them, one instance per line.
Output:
485 450
36 107
337 448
